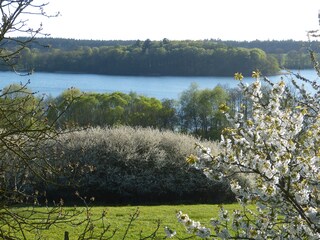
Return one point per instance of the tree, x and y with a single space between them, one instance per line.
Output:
146 46
111 109
167 117
68 113
211 120
14 21
143 111
188 110
25 134
199 111
277 147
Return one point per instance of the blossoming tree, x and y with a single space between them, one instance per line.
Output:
278 148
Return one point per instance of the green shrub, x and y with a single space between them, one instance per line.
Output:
133 165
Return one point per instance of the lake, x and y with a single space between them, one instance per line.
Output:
152 86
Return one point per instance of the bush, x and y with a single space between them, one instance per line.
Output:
134 165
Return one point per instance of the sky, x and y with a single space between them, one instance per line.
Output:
182 19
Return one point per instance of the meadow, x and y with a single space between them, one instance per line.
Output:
149 219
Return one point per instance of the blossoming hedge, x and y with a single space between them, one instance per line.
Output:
128 165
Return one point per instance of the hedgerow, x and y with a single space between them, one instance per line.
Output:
132 165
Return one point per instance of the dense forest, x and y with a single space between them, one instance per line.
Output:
166 57
171 58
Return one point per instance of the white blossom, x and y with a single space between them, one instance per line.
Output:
279 145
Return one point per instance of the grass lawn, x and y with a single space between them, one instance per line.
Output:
119 218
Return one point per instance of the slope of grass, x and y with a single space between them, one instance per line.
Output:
147 222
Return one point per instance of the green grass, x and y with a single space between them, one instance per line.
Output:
119 218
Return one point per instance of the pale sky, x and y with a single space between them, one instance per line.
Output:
183 19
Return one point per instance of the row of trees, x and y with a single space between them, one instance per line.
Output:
196 111
93 109
148 57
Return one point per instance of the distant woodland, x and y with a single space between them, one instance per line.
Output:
166 57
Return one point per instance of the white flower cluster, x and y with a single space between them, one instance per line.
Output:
193 226
279 147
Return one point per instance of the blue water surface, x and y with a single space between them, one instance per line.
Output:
53 84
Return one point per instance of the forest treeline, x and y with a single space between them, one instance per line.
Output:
166 57
290 54
196 111
269 46
170 58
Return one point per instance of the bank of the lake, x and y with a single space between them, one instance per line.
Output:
152 86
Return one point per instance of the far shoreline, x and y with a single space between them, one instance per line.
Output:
26 73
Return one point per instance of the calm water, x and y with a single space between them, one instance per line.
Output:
160 87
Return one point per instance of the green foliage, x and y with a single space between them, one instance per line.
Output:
176 58
111 109
290 54
196 112
199 111
287 53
